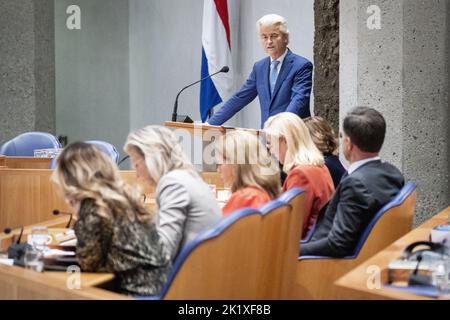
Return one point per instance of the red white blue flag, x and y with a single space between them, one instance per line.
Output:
216 53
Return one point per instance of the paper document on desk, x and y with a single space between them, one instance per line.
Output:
56 252
68 243
8 262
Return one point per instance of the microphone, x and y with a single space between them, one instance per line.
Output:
123 159
416 279
186 119
9 230
57 212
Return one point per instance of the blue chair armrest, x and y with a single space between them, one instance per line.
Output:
148 297
301 258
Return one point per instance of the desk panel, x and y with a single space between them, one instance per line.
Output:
18 284
353 285
27 162
27 196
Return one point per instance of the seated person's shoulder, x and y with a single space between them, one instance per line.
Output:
250 193
390 168
379 170
180 177
308 171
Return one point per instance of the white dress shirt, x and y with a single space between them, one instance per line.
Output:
357 164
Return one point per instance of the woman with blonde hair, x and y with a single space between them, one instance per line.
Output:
326 141
114 231
186 204
245 166
289 140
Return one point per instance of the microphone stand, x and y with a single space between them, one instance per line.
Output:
9 230
57 212
187 119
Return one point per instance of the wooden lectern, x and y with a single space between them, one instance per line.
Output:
208 135
199 128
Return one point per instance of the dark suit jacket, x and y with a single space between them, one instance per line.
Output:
335 167
291 93
358 198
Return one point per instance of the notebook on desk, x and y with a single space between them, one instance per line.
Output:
59 257
68 243
60 263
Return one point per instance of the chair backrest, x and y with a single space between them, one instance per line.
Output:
244 256
391 222
296 198
275 238
24 144
315 275
221 263
106 147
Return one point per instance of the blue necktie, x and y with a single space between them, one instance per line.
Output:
273 74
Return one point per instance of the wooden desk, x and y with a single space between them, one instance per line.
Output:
353 285
2 161
206 131
56 224
27 162
27 196
17 283
213 178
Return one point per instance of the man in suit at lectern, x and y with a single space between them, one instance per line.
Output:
282 81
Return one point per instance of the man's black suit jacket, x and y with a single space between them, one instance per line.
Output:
358 198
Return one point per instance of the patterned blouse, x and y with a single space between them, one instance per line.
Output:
132 250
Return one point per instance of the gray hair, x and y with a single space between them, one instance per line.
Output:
271 20
161 150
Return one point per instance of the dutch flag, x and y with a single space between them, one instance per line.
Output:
216 53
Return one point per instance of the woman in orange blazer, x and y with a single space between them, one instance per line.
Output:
289 140
245 166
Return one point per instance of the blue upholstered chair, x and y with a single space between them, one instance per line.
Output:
315 275
24 144
106 147
275 243
242 257
296 198
220 263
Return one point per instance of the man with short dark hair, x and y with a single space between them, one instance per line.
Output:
369 185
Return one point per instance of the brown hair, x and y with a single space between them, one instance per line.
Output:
323 135
85 172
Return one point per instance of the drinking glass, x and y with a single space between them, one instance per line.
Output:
440 274
33 260
39 238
